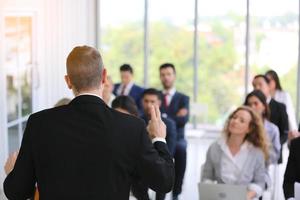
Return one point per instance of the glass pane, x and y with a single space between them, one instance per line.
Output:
13 139
171 40
25 61
10 63
221 53
18 60
274 40
122 36
12 98
26 90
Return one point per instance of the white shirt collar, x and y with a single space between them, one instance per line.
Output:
127 89
269 99
171 92
86 93
223 144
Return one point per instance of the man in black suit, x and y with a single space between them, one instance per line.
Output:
176 106
278 111
86 150
292 173
151 97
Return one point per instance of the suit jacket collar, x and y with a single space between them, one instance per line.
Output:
86 98
173 99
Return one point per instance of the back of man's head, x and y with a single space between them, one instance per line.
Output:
84 68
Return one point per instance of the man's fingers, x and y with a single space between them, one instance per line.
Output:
153 113
157 111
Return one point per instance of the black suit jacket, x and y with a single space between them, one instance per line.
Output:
178 101
292 172
280 118
85 150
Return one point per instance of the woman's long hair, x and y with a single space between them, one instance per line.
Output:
262 98
275 77
256 135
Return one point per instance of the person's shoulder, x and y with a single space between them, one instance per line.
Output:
270 125
116 85
278 104
216 145
137 87
257 153
182 96
168 121
49 111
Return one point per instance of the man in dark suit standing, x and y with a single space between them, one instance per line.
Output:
151 97
292 173
127 87
86 150
278 111
176 106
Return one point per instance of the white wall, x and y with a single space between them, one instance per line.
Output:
66 24
59 26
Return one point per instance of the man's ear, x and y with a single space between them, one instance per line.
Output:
104 76
68 81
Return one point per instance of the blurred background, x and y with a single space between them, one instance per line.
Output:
217 47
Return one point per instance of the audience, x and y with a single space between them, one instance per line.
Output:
257 101
292 174
176 106
239 156
283 97
127 86
252 137
278 111
151 97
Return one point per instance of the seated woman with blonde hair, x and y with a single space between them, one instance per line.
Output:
239 156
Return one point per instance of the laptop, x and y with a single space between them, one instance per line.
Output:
222 192
297 191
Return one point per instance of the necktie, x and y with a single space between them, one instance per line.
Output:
123 90
166 100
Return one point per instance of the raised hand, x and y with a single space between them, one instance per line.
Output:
156 127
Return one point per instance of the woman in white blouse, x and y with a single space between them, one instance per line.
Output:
283 97
239 157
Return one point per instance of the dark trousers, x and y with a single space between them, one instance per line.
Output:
180 165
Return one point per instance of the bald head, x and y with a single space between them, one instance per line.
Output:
84 68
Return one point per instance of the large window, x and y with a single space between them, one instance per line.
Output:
221 53
273 44
171 40
122 36
17 64
274 40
